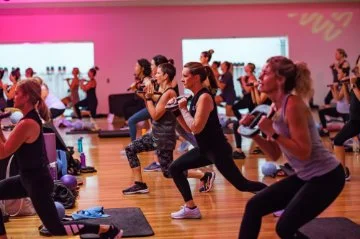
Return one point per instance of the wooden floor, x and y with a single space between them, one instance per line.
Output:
222 208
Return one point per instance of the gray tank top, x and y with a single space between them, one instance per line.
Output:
321 160
163 130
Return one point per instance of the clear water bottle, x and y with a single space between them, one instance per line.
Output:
356 146
53 170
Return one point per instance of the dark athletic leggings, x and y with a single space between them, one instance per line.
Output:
350 129
90 104
331 112
38 185
244 103
224 163
302 200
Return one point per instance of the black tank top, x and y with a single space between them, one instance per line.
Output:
163 129
30 157
335 72
211 138
91 95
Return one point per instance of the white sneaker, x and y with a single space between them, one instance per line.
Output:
186 213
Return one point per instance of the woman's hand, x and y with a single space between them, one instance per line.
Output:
149 89
182 103
247 119
266 126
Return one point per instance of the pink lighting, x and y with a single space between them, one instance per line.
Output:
123 35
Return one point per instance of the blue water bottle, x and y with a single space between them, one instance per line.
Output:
80 146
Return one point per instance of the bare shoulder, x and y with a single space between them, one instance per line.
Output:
296 106
28 124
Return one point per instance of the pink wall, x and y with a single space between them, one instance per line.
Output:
123 35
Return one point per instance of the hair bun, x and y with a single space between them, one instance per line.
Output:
96 68
171 61
211 51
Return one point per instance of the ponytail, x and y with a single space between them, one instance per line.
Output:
303 82
43 110
212 80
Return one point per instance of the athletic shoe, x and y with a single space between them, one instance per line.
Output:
153 167
347 174
184 147
186 213
208 182
238 155
324 133
112 233
137 188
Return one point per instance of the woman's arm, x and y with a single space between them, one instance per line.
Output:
335 92
74 84
297 115
11 93
156 112
88 86
204 106
24 131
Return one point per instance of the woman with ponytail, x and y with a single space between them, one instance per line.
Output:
9 90
90 101
319 177
34 180
202 120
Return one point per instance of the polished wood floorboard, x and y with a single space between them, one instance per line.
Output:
222 208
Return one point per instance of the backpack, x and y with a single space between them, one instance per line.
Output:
16 207
64 195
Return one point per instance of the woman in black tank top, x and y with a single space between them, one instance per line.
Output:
90 101
340 64
213 148
35 181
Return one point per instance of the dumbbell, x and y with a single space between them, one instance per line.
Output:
253 129
346 80
173 105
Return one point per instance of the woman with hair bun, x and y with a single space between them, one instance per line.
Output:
90 88
202 120
319 176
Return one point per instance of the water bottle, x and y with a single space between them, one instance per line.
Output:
82 160
80 146
356 147
53 170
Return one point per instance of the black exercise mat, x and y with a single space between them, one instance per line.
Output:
114 133
82 132
331 228
131 220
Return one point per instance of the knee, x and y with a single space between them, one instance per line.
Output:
338 141
129 150
167 174
173 170
253 206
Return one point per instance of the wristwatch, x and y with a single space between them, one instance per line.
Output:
274 136
148 99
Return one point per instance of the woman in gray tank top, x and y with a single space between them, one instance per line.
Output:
319 177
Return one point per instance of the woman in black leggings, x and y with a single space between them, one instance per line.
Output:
352 127
213 148
90 101
35 181
319 177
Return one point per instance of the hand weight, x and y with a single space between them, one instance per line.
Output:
172 106
252 129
